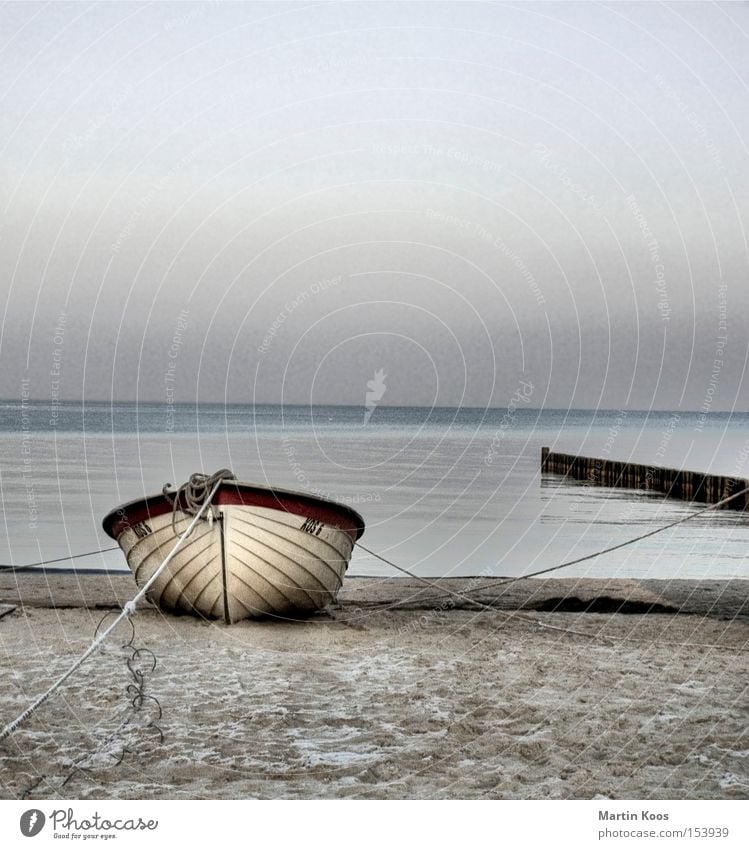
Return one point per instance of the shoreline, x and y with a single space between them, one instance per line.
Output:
383 696
722 598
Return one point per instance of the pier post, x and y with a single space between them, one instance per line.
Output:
682 484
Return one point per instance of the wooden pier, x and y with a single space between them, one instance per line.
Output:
673 483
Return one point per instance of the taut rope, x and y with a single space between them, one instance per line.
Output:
6 567
501 581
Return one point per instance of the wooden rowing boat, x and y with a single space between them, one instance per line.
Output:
259 551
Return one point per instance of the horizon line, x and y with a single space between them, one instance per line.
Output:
84 401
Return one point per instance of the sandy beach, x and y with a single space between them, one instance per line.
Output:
568 689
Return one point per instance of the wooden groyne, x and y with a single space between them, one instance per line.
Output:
673 483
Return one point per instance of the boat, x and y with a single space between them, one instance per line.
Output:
257 551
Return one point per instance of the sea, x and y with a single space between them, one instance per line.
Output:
443 492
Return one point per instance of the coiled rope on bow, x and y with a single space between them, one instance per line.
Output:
190 497
127 611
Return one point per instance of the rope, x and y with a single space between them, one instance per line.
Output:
136 692
499 582
187 498
447 591
10 568
127 611
515 615
503 581
191 495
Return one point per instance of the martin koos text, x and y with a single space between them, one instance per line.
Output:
644 816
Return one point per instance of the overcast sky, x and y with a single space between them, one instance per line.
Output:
272 202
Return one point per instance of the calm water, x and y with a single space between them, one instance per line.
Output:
443 492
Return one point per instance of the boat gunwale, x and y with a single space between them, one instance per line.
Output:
239 493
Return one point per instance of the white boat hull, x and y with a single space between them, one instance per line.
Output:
244 560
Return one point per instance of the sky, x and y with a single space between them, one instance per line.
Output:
275 202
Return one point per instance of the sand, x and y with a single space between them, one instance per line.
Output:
388 695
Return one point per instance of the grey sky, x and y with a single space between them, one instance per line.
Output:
273 201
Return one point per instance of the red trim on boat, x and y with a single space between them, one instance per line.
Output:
231 492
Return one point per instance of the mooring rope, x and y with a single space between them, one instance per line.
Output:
127 611
508 614
136 692
11 568
444 591
504 581
186 498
